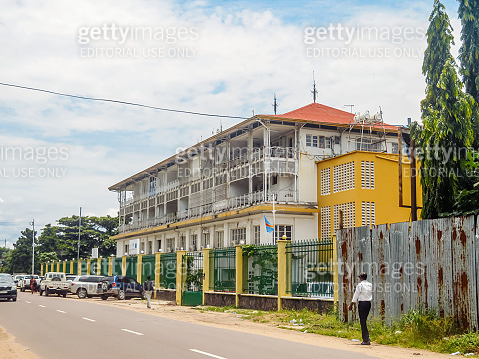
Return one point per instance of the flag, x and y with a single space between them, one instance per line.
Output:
269 226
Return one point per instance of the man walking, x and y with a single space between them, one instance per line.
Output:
363 296
148 288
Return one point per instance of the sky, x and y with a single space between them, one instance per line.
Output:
58 154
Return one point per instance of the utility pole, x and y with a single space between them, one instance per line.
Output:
79 235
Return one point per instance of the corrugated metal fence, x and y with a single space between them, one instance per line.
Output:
432 265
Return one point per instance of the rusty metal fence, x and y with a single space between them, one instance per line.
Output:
431 265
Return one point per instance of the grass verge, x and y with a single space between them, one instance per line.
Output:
413 330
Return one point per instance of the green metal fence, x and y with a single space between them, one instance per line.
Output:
260 266
193 286
310 268
83 267
168 271
104 266
223 270
116 266
131 266
148 267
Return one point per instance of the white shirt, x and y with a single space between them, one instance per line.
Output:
363 292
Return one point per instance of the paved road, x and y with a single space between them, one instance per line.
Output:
55 327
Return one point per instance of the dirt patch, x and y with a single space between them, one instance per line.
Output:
11 350
234 321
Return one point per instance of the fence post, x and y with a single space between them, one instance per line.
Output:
79 267
157 272
282 280
206 271
98 266
41 269
180 275
123 265
110 266
71 266
335 271
139 271
58 267
239 272
64 265
88 266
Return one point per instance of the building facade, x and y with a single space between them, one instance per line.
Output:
217 192
363 188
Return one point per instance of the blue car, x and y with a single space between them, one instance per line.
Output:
119 286
8 288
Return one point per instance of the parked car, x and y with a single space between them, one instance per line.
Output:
121 287
25 282
55 282
17 279
71 277
8 289
85 285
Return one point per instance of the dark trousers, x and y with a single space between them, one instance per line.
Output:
364 308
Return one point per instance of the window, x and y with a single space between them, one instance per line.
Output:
182 243
367 174
311 141
328 142
238 235
205 240
219 239
348 210
194 242
395 148
368 213
343 177
257 234
325 222
325 181
170 244
281 230
274 180
321 142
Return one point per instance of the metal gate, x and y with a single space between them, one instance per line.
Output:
192 287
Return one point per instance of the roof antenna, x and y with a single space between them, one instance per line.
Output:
252 111
314 92
275 104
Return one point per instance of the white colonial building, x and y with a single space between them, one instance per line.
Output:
216 193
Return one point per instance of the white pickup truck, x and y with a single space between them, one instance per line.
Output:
55 283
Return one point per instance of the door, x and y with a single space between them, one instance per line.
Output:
192 287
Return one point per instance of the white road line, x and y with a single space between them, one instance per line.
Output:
61 311
207 354
132 332
41 305
28 302
90 320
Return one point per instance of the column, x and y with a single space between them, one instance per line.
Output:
180 275
239 271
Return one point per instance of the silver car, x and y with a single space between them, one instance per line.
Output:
85 285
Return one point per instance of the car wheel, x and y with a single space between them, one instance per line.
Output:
23 289
46 292
14 299
81 293
41 292
121 295
104 286
64 294
103 297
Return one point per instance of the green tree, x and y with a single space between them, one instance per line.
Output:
469 51
447 128
20 259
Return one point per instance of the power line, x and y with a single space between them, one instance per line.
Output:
119 102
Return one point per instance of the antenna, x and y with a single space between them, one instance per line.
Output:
275 104
252 111
314 92
350 106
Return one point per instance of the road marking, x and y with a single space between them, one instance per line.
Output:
207 354
90 320
41 305
132 332
61 311
28 302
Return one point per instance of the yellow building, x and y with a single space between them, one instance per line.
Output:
364 186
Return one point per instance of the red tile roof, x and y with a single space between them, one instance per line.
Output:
316 112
